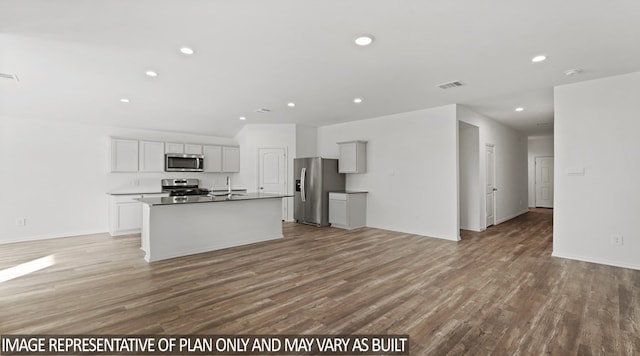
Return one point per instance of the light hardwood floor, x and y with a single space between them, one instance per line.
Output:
498 292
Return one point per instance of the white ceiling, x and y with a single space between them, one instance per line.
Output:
75 58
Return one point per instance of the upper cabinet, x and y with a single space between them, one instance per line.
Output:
151 156
212 158
172 147
353 157
192 149
184 148
148 156
231 159
124 155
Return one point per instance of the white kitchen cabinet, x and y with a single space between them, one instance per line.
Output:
124 155
125 213
173 147
231 159
348 210
212 158
192 149
353 157
151 156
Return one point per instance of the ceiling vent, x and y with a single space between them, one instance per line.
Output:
450 85
263 110
9 76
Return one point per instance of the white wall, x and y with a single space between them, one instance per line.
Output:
306 141
510 164
255 136
540 146
411 169
596 128
55 175
469 176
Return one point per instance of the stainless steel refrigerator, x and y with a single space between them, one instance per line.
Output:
315 178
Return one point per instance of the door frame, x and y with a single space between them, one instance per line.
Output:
535 178
484 193
285 201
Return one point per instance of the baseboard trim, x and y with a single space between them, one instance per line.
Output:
474 228
507 218
595 260
53 236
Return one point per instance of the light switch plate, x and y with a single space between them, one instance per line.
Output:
575 171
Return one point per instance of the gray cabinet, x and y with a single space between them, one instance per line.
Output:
353 157
151 156
212 159
348 210
192 149
125 213
231 159
124 155
173 147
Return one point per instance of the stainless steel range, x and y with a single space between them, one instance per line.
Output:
183 187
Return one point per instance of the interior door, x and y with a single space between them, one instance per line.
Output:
490 198
544 182
272 173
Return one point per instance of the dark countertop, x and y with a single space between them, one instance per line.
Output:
349 191
192 199
150 191
133 192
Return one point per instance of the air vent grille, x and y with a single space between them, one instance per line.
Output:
9 76
450 85
263 110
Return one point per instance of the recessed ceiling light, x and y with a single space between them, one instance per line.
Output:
242 118
357 100
364 40
538 58
291 104
151 73
187 50
124 100
574 71
519 109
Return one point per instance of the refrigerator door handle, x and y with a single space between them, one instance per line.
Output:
303 178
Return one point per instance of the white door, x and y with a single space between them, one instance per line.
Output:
490 199
544 182
272 173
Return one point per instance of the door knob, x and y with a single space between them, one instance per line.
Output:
261 188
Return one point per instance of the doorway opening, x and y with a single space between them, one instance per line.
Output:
469 185
543 182
272 174
490 185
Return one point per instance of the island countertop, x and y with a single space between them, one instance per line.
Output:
192 199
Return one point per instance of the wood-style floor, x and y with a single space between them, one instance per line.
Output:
494 293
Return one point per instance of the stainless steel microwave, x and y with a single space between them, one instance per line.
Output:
176 162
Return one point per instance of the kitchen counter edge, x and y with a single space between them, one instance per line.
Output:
197 199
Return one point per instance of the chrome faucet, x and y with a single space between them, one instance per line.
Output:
229 185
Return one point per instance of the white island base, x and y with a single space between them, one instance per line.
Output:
175 230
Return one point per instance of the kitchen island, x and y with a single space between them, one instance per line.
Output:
180 226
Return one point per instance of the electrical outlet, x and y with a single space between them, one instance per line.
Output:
21 221
135 182
617 240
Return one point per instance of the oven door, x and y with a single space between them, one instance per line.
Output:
183 163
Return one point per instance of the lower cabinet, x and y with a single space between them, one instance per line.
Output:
125 213
348 210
